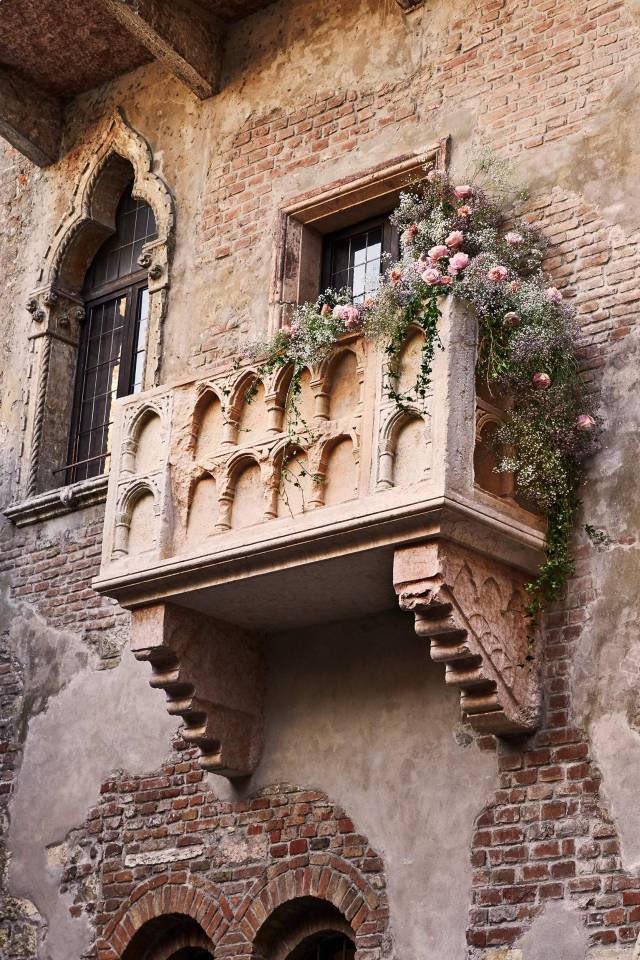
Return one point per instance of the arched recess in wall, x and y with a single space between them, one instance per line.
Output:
147 437
339 471
295 487
207 429
203 509
306 928
404 456
409 361
246 492
120 157
170 937
247 408
343 384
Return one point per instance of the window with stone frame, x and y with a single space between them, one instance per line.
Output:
338 236
113 337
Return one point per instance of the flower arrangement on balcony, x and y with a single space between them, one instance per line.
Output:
456 241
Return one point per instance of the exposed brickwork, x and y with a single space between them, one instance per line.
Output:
243 860
530 75
54 573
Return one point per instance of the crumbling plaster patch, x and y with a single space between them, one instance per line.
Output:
78 724
606 672
560 924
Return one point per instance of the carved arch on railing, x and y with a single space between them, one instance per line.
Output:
206 393
325 373
56 305
321 460
392 424
234 468
132 432
128 500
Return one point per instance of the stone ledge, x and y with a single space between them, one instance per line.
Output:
56 503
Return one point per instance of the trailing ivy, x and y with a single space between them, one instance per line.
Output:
455 242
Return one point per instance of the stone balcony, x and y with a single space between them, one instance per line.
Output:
220 527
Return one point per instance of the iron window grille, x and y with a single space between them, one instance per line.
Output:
113 339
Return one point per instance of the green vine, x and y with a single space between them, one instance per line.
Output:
455 241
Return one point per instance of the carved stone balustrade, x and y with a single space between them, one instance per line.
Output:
216 506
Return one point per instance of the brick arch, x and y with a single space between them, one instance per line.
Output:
326 878
157 898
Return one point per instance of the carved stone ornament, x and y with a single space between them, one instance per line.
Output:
212 674
471 609
56 304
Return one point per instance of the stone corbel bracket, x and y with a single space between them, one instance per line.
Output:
471 609
212 674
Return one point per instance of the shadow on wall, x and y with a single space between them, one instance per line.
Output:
358 710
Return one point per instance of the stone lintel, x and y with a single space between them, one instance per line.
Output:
30 119
471 609
212 675
180 34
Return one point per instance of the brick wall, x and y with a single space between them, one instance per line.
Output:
165 843
53 572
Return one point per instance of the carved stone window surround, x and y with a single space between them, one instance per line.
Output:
305 219
57 308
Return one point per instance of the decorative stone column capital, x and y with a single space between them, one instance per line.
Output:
471 609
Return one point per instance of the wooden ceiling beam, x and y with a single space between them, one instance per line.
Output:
180 34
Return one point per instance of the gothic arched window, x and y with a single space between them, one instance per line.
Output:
112 347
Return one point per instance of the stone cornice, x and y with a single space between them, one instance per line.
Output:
56 503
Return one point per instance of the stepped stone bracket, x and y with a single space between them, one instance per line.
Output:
212 674
471 609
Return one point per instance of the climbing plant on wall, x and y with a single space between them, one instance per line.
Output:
456 242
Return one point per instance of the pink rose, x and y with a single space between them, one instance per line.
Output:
463 191
553 295
410 233
337 312
432 277
513 239
497 274
514 286
445 281
585 422
326 310
464 210
369 303
395 276
350 317
510 319
455 238
437 253
433 176
458 262
541 381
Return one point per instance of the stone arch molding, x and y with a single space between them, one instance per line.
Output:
236 930
56 305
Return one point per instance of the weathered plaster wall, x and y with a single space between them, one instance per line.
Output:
358 710
360 714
